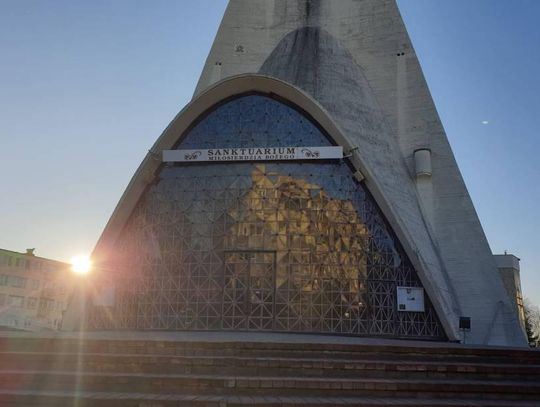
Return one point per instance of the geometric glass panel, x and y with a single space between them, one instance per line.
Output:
261 246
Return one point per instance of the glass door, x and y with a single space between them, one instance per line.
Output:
249 290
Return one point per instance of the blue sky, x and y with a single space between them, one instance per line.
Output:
87 86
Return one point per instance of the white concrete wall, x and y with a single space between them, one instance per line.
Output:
444 227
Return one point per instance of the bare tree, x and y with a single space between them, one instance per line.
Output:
532 323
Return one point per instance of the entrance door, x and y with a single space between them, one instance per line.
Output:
249 290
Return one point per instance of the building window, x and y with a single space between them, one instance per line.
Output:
36 284
46 305
16 301
2 300
20 263
31 303
18 282
4 279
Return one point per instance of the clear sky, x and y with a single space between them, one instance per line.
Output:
86 87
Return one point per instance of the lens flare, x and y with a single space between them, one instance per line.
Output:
81 264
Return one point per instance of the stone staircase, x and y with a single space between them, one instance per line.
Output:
161 373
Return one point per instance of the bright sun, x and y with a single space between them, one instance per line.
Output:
81 264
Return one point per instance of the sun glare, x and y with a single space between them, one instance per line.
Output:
81 264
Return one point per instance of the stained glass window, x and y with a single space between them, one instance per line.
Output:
263 246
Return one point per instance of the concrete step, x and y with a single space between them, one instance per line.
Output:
267 366
40 372
131 399
432 352
253 385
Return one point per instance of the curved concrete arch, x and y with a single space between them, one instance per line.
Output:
264 84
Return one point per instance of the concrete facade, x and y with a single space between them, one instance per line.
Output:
355 57
34 291
350 64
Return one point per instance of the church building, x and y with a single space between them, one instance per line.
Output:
308 187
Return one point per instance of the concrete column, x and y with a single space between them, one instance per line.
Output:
423 171
509 271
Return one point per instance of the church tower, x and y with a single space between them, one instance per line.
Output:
309 186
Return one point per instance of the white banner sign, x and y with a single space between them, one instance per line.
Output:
410 299
254 154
